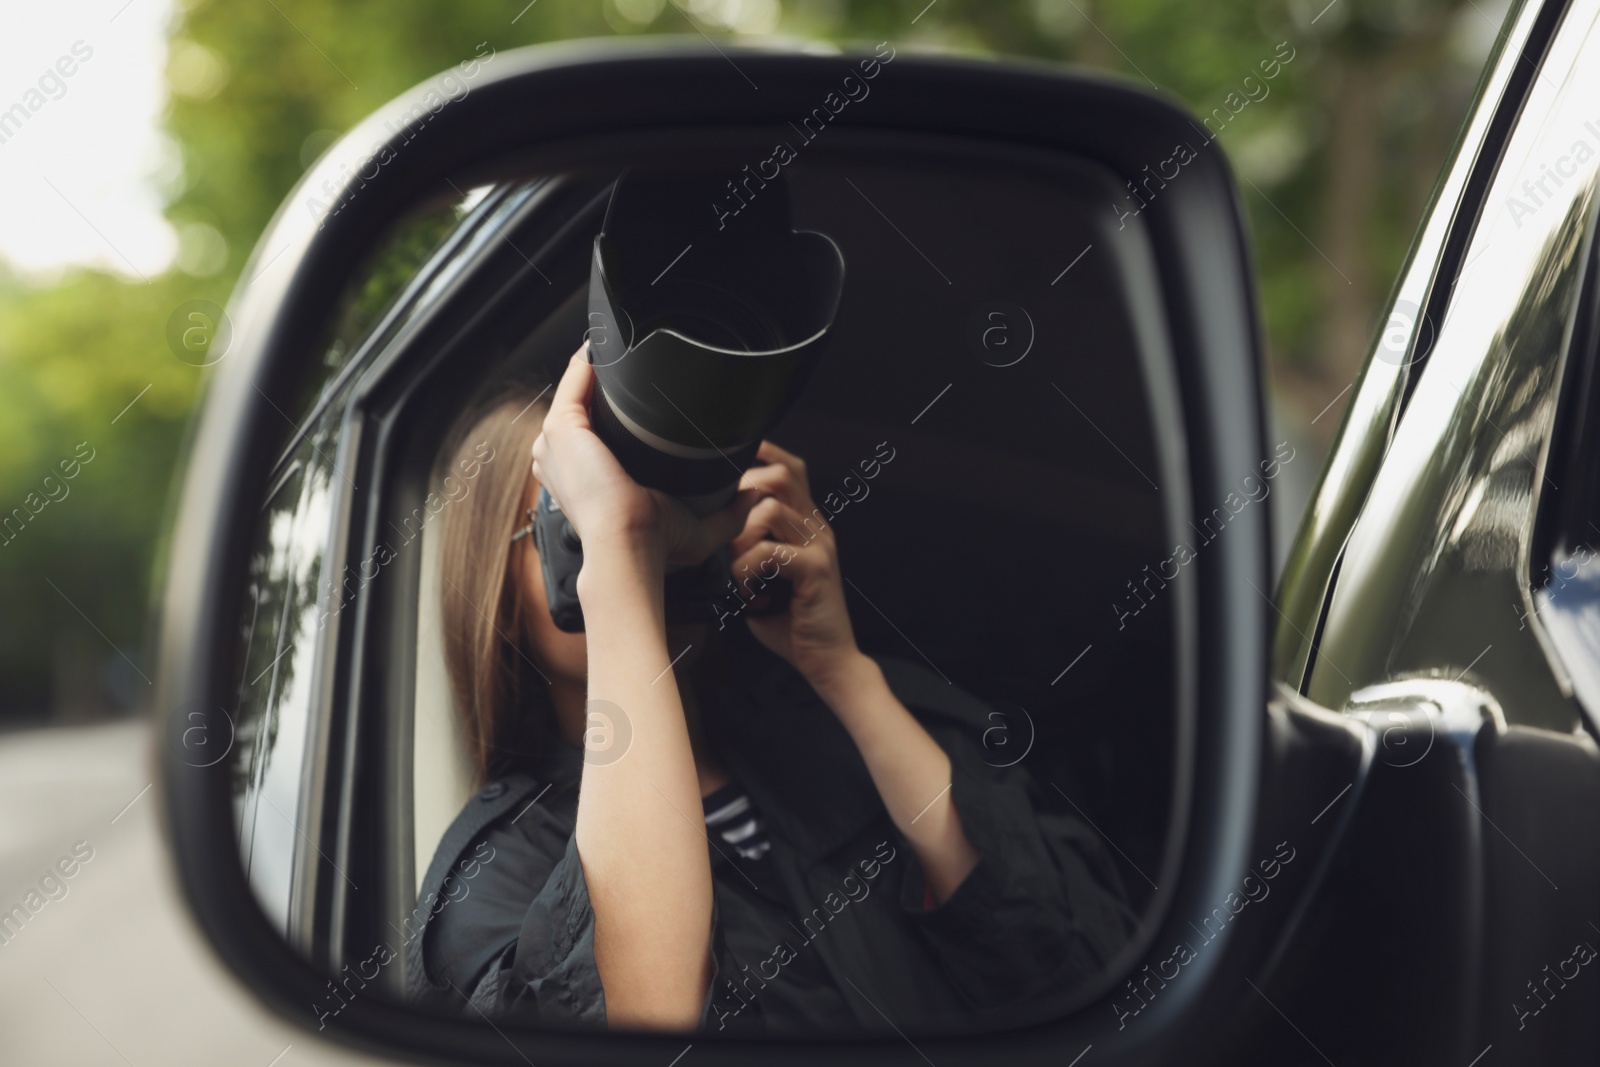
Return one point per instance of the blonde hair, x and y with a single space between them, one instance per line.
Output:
499 699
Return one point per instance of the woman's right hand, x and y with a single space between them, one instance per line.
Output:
646 868
608 509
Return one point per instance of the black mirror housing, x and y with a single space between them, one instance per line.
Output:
621 97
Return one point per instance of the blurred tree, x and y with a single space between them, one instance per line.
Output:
84 372
1337 152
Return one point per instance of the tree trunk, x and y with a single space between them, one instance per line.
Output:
1353 180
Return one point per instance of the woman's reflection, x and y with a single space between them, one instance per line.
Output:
866 865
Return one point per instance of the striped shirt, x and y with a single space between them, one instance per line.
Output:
731 816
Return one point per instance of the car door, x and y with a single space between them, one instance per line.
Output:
1449 621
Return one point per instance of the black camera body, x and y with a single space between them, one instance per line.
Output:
700 337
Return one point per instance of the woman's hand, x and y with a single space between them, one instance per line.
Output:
607 508
646 867
786 536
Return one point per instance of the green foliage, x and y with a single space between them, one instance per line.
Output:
261 89
73 358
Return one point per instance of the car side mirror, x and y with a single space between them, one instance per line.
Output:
1047 311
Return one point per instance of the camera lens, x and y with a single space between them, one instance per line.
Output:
719 329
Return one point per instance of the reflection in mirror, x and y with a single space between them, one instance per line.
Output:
285 616
864 718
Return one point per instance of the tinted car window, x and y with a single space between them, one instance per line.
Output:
292 597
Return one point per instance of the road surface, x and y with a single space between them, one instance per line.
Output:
110 970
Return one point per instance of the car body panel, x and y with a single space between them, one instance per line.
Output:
1435 574
1473 867
1404 342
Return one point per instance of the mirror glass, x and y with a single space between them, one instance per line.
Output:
918 771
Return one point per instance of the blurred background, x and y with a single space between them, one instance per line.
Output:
141 181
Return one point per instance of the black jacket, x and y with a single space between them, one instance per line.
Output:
825 930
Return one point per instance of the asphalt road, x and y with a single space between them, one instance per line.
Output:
110 970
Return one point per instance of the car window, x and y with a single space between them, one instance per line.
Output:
292 595
1563 578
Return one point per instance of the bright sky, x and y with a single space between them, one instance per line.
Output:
80 176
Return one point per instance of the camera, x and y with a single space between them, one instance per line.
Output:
701 337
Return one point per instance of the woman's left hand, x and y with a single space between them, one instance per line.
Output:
785 536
